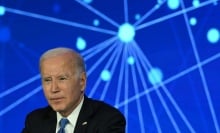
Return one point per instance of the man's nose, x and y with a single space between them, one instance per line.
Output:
54 87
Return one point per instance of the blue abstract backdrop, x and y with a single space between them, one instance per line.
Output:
157 61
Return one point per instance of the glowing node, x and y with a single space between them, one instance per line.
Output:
96 22
2 10
196 3
173 4
130 60
157 6
88 1
105 75
159 1
215 2
137 16
5 34
193 21
213 35
126 33
80 43
155 76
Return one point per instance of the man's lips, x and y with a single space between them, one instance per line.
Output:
56 99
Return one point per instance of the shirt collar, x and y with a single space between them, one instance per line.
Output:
73 116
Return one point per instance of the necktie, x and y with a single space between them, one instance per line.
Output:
63 123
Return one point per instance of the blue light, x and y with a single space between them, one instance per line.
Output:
96 22
2 10
213 35
105 75
88 1
5 34
131 60
80 43
193 21
137 16
155 76
126 33
159 1
195 3
173 4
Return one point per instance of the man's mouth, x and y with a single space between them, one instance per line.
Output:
56 99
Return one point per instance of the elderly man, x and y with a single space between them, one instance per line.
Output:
70 111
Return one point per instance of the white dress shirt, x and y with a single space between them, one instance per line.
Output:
72 119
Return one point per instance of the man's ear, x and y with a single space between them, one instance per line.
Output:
83 79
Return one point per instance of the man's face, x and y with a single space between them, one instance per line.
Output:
63 84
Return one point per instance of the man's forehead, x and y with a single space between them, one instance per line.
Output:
55 74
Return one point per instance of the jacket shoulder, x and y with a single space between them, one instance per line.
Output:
41 113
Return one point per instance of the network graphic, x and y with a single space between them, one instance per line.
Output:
157 61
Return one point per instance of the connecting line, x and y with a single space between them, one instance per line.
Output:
19 86
178 108
95 65
204 82
142 56
138 64
120 79
172 15
19 101
114 59
126 10
167 111
139 107
146 15
126 82
59 21
98 13
89 53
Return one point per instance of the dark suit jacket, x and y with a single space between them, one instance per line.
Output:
94 117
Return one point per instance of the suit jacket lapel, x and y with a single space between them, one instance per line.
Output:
83 118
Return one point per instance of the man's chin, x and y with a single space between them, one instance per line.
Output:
57 108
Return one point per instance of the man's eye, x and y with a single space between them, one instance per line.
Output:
47 80
63 78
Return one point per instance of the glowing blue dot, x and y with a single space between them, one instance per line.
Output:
2 10
96 22
157 6
193 21
105 75
213 35
80 43
215 2
126 33
196 3
88 1
137 16
155 76
159 1
130 60
5 34
173 4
